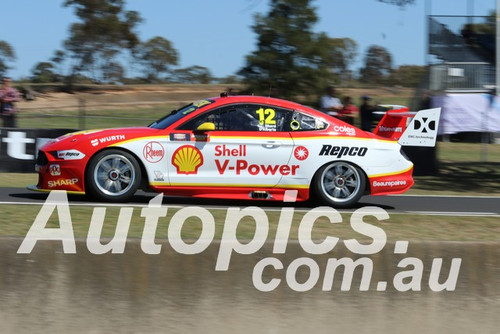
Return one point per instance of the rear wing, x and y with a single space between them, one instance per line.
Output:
410 128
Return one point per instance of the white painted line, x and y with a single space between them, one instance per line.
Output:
271 209
456 213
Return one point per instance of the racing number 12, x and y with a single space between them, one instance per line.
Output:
266 116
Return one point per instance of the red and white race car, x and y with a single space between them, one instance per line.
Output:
240 147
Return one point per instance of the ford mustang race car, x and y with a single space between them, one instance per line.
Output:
240 147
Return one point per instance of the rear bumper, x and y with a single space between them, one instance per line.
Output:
394 183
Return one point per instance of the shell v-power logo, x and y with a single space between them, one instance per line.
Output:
187 159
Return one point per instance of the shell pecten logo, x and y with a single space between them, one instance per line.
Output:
187 159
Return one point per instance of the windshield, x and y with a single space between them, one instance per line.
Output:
177 114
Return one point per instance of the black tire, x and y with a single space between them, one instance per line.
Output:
339 184
113 176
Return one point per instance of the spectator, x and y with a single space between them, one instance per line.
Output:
366 112
349 112
8 95
329 104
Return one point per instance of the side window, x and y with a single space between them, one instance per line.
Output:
304 122
241 117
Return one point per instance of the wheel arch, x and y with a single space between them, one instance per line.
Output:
144 183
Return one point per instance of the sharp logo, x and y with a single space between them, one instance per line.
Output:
340 151
62 182
425 126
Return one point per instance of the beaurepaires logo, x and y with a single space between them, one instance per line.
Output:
408 279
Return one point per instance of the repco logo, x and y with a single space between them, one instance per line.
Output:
340 151
153 152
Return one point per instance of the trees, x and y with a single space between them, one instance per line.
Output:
43 72
341 54
156 55
377 65
105 31
408 75
7 54
193 74
289 60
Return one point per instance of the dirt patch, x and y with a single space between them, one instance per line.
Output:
148 95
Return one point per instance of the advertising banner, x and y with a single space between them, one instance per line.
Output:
18 147
468 113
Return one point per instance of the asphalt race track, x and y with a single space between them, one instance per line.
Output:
132 291
411 204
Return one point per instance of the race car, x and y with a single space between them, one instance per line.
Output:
240 147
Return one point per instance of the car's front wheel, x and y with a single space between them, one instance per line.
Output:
339 184
113 176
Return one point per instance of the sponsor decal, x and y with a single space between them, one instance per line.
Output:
340 151
224 151
242 166
301 153
180 137
389 183
55 170
397 129
345 129
70 155
108 139
153 152
62 182
159 176
187 159
425 126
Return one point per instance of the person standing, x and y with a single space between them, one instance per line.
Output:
366 112
329 104
8 96
349 112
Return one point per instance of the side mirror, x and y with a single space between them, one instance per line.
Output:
204 127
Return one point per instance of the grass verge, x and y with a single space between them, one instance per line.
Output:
16 220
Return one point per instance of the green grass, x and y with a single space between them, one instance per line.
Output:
462 171
16 222
94 119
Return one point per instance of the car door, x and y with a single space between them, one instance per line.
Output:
246 148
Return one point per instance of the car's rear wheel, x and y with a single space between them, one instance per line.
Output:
339 184
113 176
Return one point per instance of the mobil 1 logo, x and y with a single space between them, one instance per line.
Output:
340 151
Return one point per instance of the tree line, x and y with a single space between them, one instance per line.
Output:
290 58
